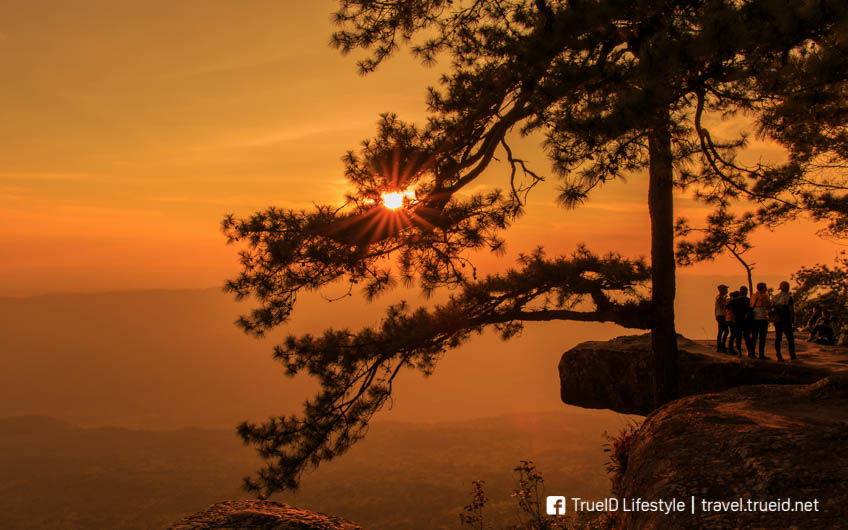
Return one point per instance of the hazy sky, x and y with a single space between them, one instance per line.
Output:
130 128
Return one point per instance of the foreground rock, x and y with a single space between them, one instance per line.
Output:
264 515
763 443
616 374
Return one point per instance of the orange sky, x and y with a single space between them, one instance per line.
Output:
130 128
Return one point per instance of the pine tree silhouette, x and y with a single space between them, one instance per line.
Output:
617 88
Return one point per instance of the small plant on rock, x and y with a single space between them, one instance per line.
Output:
472 514
618 447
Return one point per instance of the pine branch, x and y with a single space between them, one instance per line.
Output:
356 370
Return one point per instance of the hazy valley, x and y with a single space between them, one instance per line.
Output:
403 475
147 388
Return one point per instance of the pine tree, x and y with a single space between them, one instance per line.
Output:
616 88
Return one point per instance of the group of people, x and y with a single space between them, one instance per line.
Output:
745 320
823 327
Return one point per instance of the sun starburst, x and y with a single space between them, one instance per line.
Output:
394 200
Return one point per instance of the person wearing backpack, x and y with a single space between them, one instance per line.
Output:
740 308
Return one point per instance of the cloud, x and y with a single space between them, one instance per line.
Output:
232 66
52 176
269 136
12 193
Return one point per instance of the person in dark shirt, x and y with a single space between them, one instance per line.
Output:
740 309
815 316
823 332
783 309
721 318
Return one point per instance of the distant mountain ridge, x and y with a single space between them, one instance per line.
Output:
30 423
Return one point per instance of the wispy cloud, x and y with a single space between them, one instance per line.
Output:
274 136
227 200
231 66
12 193
72 217
51 176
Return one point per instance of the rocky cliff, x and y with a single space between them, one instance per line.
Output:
763 444
756 444
260 515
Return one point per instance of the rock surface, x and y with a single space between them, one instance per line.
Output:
615 374
264 515
763 443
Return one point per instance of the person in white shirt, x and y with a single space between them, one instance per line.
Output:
760 304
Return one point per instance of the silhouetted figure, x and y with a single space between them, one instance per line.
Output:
814 318
728 312
760 305
824 331
783 313
740 307
721 318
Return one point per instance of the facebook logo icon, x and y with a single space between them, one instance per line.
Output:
556 505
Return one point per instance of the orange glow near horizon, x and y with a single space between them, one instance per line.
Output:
116 173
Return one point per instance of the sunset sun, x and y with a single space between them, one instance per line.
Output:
394 200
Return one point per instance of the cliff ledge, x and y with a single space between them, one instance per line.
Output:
615 374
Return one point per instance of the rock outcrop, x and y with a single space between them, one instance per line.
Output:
759 443
616 374
261 515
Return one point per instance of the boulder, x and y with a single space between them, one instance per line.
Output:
264 515
616 374
764 443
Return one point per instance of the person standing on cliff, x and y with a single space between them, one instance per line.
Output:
740 308
760 304
783 311
721 318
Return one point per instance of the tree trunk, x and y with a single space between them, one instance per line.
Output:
748 268
661 206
